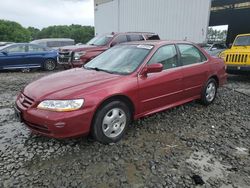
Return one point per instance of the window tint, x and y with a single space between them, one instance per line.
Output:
136 37
218 46
152 37
190 54
16 49
165 55
52 44
121 39
34 48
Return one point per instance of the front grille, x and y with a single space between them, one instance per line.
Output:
25 101
39 128
237 58
65 56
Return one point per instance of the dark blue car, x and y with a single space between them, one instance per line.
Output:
27 56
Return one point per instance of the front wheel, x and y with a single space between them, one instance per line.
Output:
209 92
50 65
111 122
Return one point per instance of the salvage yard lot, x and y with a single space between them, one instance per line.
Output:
163 150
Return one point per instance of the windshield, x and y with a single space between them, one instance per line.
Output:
100 40
242 41
122 59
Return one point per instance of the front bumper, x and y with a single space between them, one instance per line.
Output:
56 124
238 68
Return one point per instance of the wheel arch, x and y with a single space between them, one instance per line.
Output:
215 77
118 97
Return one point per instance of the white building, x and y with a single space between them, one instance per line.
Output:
171 19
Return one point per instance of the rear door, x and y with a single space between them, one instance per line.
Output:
162 89
195 70
36 55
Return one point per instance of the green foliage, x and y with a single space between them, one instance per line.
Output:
33 32
81 34
216 35
14 32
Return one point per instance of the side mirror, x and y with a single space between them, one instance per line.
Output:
113 44
4 52
152 68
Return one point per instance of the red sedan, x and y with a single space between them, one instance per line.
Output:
126 82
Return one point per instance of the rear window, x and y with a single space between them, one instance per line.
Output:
136 37
59 43
152 37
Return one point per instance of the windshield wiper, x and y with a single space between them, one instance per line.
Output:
98 69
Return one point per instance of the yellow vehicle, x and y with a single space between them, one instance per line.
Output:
237 58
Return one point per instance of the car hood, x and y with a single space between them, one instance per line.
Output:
68 84
81 48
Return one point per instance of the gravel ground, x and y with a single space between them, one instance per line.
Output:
163 150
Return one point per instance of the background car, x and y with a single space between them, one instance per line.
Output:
5 43
237 58
27 56
214 49
76 56
126 82
54 43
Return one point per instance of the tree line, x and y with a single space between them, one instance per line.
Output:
14 32
216 35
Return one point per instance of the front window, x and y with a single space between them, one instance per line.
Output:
16 49
242 41
122 59
100 40
165 55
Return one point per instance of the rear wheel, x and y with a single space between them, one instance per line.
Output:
50 65
111 122
209 92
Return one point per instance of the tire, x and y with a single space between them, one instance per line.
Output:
49 65
209 92
111 122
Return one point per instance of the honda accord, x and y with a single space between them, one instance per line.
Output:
126 82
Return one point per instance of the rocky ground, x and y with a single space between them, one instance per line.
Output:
180 147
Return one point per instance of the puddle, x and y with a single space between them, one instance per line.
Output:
207 166
13 135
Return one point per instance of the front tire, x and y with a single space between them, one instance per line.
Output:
111 122
209 92
50 65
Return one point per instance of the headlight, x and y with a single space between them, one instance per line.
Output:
61 105
77 55
222 55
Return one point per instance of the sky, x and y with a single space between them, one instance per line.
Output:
44 13
220 27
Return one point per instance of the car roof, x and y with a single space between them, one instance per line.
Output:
53 39
157 42
242 35
131 32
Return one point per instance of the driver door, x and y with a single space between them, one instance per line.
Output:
163 89
15 57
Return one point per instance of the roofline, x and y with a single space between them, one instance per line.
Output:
241 35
